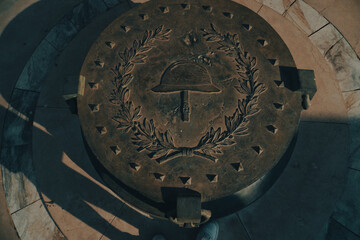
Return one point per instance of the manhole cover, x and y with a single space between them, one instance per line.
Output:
189 95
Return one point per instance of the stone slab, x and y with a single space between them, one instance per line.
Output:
304 196
280 6
327 104
70 61
7 229
231 227
61 34
85 12
33 222
82 210
18 119
336 231
344 15
305 17
346 64
325 38
18 177
253 5
347 210
36 68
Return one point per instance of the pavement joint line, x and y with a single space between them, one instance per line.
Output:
25 90
26 206
260 8
106 230
343 226
241 222
327 51
312 121
318 29
354 169
353 90
286 10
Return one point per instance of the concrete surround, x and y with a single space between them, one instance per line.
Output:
37 216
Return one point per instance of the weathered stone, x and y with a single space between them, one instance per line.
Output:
346 65
325 38
61 34
85 12
279 6
34 222
18 119
302 199
18 177
37 67
305 17
347 210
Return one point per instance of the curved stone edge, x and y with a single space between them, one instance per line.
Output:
56 40
29 213
344 61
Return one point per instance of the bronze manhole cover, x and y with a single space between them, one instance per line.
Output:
188 95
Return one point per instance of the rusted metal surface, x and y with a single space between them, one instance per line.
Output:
187 95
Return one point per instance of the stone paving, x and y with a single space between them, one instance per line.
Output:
40 165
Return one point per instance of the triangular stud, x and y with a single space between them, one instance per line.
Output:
93 85
101 130
110 44
279 83
228 15
144 16
272 129
258 149
99 63
125 28
94 107
185 180
247 27
135 166
273 62
279 106
164 9
238 167
207 8
185 6
115 149
159 176
262 42
212 178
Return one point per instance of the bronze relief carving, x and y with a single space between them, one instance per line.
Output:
188 96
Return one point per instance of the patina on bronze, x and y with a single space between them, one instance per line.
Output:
191 107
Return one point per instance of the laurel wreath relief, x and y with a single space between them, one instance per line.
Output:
160 145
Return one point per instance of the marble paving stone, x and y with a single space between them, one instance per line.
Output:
325 38
61 34
352 100
253 5
230 227
18 119
327 104
347 211
279 6
33 222
37 67
18 177
304 196
131 225
85 12
346 64
81 210
344 15
305 17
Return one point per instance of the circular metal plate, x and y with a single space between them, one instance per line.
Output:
188 94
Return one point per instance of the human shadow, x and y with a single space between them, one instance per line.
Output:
65 178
